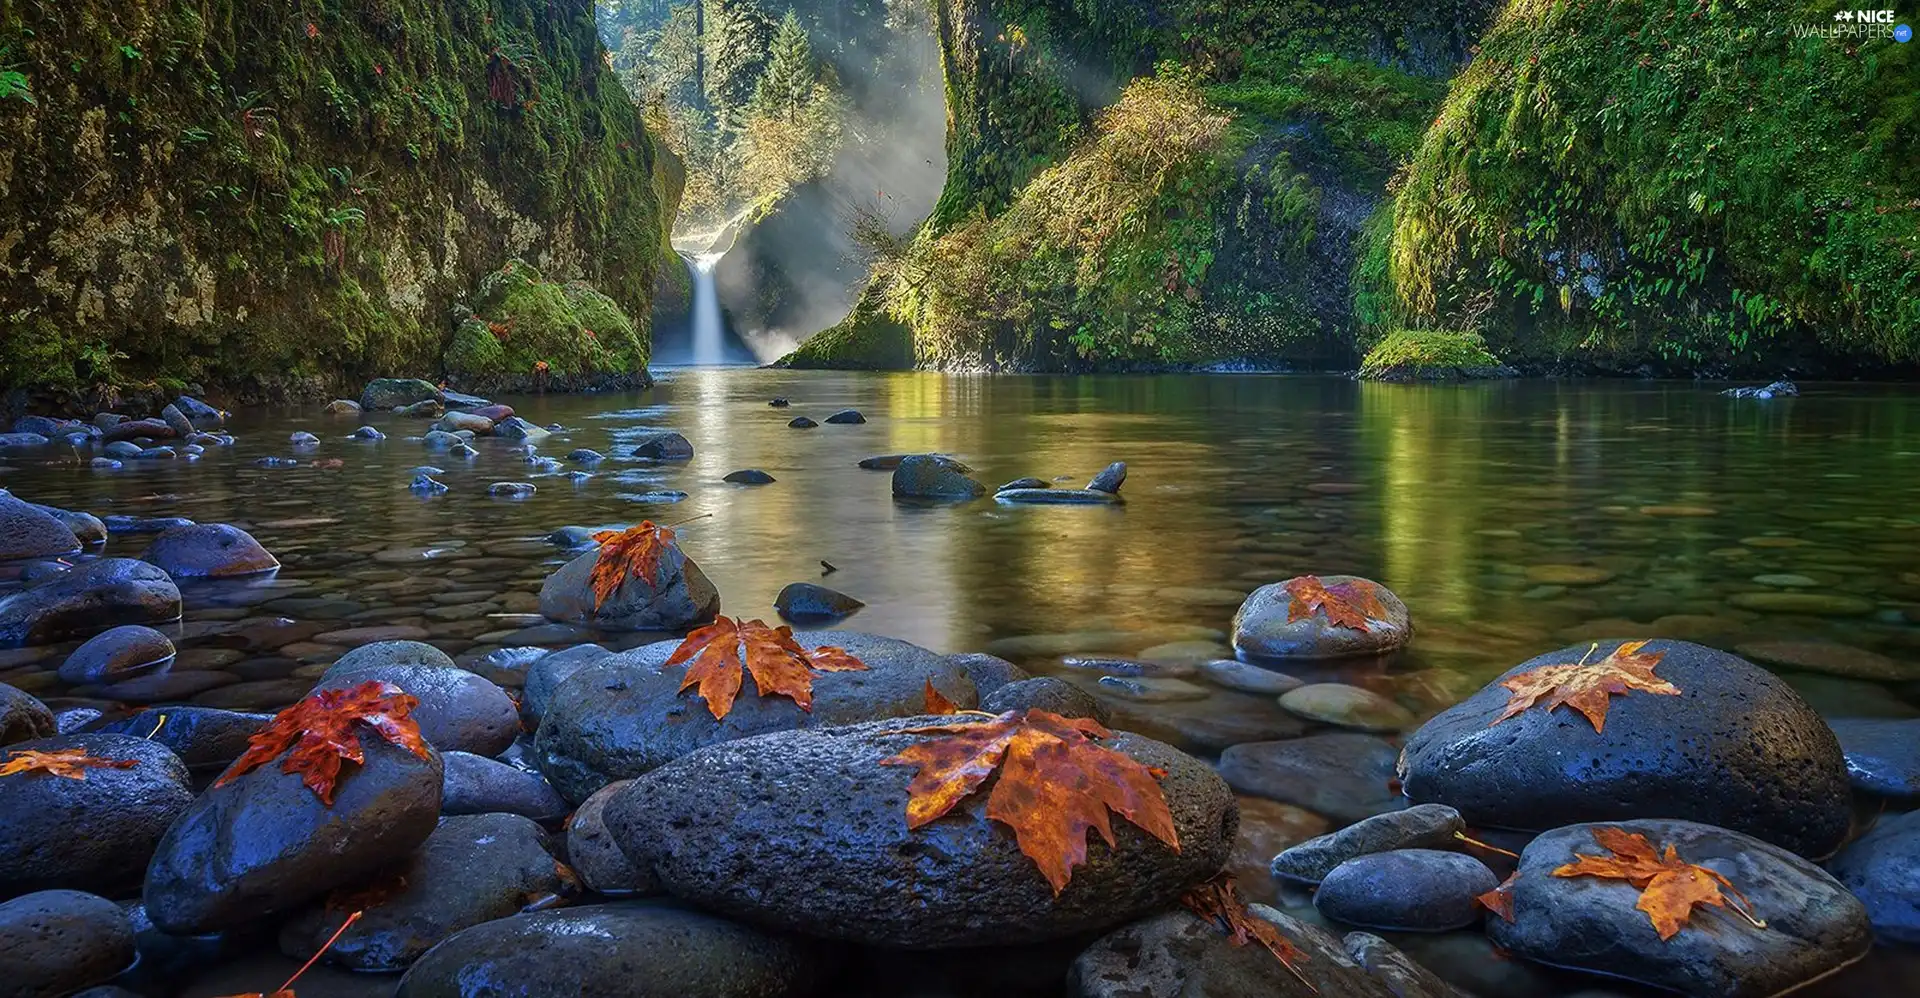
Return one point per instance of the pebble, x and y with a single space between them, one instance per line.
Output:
1347 707
1569 575
1829 657
511 490
1247 678
1423 826
1151 690
846 417
1406 890
1811 604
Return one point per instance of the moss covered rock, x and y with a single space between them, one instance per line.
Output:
1430 355
868 339
524 325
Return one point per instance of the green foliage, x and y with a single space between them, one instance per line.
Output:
867 340
791 72
1422 354
523 323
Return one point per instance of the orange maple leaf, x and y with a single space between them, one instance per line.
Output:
286 990
938 704
1586 687
71 763
633 553
1056 782
1346 604
1669 886
778 663
1500 899
320 730
1218 901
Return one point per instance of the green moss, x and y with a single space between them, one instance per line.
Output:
866 340
523 323
1426 354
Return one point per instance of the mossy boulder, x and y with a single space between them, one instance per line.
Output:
867 340
525 325
1430 355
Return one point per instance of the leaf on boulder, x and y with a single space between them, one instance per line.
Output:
938 704
1056 781
1586 686
1500 899
1347 604
1218 901
71 763
1669 886
322 732
778 663
633 553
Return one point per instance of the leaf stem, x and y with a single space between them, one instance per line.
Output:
337 933
1488 846
157 727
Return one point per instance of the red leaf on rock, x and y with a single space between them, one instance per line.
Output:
71 763
1500 899
937 704
1669 886
1346 604
778 663
633 553
321 731
1586 686
1219 901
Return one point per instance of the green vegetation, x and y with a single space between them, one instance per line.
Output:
1612 182
523 324
866 340
1428 354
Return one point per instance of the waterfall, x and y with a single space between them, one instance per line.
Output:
707 345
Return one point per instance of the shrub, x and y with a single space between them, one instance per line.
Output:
1427 354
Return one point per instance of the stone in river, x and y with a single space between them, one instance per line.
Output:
1347 707
1023 483
301 438
1262 628
779 402
120 653
454 422
545 675
209 551
512 490
264 843
200 415
595 856
1784 580
802 423
989 672
11 441
515 428
1046 693
749 476
91 834
1110 478
92 597
804 830
1814 926
930 476
1402 976
1144 689
475 784
1406 890
1179 954
342 407
393 393
366 433
122 448
1883 755
1831 658
426 485
805 602
663 446
628 949
1248 678
1735 747
679 596
1882 869
441 440
162 687
27 531
458 711
624 716
23 716
1057 497
1423 826
1811 604
55 943
203 737
585 455
1267 829
846 416
156 429
378 634
474 868
87 528
1346 776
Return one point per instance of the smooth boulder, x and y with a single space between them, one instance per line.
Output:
663 446
547 673
92 834
23 716
1406 890
1423 826
1264 628
1179 955
88 599
27 531
1882 869
680 597
805 602
1883 755
203 737
1110 478
458 710
395 393
930 476
594 853
1345 776
120 653
475 784
210 551
54 943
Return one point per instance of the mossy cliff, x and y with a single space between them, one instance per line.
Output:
258 194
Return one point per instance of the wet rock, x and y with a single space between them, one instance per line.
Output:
1261 629
846 417
160 453
454 422
342 407
1736 747
104 464
1883 755
1023 483
585 455
802 423
93 834
989 672
1144 689
161 687
1406 890
1778 389
477 785
1423 826
779 403
1109 479
210 551
1179 954
1248 678
73 719
595 951
273 462
1831 658
1882 869
623 716
1347 707
663 446
512 490
1814 926
802 829
515 428
120 653
178 420
480 406
571 538
804 602
23 716
27 531
441 440
203 737
426 485
458 711
750 476
1346 776
473 868
153 429
544 676
264 843
888 462
1049 694
22 441
87 528
301 438
90 598
394 393
1809 604
145 524
596 857
366 433
39 426
1402 976
200 415
123 449
53 943
1056 497
929 476
679 597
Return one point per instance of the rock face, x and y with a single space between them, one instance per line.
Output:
23 716
1407 890
90 598
264 843
121 653
804 602
594 853
55 943
210 551
1883 756
598 951
458 711
1814 926
624 716
93 834
806 829
1178 954
26 531
1737 747
472 869
930 476
681 597
1882 869
1423 826
1261 629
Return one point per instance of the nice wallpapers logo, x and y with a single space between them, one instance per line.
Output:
1858 25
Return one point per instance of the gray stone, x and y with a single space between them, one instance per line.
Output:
750 476
342 407
366 433
23 716
515 428
1248 678
804 602
86 528
1023 483
594 853
545 675
120 653
200 415
512 490
390 653
1883 756
209 551
93 834
426 485
53 943
92 597
1401 975
1345 776
203 737
454 422
989 672
27 531
441 440
475 784
1423 826
802 423
1406 890
585 455
846 417
458 711
803 830
1056 497
1347 707
1262 629
663 446
1047 693
929 476
178 420
1110 478
382 394
1143 689
1882 869
680 596
1179 955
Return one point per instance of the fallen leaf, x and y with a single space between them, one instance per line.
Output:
71 763
1586 686
320 730
633 553
778 663
1346 604
1500 899
286 990
1219 901
1056 781
1669 886
937 704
